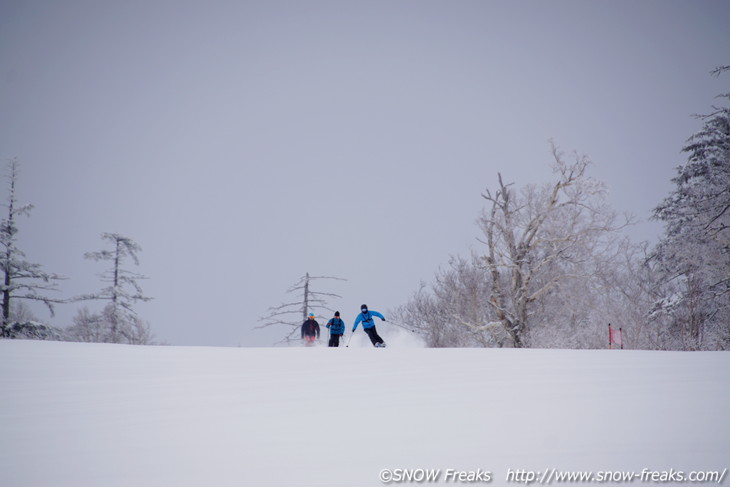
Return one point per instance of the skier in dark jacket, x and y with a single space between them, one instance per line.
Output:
368 325
337 329
310 330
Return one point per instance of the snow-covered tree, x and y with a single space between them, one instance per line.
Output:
22 279
453 310
88 327
292 314
97 328
555 272
693 257
118 322
543 238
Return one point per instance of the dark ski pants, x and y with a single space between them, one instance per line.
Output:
334 341
373 335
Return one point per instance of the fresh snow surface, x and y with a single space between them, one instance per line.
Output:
92 415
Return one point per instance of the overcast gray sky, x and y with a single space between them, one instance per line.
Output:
244 143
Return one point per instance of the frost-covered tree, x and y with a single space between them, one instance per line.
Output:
292 314
451 311
692 259
88 327
544 238
21 279
624 296
21 312
24 324
118 322
97 328
554 273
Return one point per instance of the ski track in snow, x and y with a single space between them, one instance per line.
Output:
109 415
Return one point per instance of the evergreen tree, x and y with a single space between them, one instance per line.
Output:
118 323
21 278
693 257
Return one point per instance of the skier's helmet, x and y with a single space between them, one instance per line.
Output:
311 315
337 313
364 308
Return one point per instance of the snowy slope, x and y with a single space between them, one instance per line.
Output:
86 415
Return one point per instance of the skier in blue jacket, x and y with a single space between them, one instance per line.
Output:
337 329
368 325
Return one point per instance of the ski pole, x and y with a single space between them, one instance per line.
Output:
403 326
350 339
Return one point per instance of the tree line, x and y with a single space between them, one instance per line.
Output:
555 267
25 281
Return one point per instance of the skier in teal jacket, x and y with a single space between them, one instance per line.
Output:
337 329
368 325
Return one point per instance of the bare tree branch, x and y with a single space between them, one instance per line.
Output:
308 301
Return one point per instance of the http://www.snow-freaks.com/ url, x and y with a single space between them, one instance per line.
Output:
548 476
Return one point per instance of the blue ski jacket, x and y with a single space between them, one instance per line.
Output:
366 319
336 326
